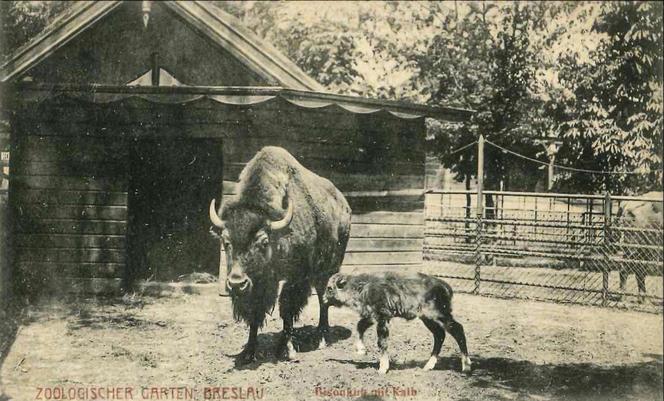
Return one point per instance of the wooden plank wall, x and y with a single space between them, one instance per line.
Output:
70 189
69 194
376 160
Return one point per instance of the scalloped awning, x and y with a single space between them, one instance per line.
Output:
236 96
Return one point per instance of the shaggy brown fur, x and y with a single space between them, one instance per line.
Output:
303 254
379 298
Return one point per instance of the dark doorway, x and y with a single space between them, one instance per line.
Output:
171 185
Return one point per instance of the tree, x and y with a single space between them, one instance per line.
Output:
614 104
21 20
365 49
484 59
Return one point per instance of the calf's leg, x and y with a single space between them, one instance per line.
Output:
323 322
456 330
438 339
362 326
383 333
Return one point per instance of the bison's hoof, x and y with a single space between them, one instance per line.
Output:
431 363
288 352
245 358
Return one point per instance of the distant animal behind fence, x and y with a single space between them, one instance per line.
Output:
562 247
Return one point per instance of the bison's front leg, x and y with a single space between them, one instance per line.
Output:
292 300
248 354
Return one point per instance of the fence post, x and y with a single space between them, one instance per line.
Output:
607 248
480 213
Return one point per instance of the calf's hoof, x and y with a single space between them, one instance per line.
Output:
431 363
360 349
384 365
466 364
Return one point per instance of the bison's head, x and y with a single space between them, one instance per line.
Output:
249 239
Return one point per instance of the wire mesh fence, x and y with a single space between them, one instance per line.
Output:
588 249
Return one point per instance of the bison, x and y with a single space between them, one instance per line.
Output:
638 216
285 224
381 297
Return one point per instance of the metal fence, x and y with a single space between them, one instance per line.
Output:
561 247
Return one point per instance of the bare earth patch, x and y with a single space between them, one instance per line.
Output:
521 350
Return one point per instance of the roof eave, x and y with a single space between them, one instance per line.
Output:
219 26
443 113
227 29
58 34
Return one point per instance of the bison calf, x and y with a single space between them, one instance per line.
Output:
378 298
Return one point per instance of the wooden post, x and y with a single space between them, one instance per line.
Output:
479 213
155 72
223 272
552 159
223 265
480 176
551 151
607 248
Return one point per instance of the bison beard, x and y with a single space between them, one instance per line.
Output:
285 224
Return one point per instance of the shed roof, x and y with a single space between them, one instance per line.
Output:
221 28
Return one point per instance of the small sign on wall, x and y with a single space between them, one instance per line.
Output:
5 156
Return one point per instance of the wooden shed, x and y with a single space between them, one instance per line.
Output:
127 118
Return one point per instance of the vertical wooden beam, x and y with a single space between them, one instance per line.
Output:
479 214
154 62
552 158
480 176
607 248
223 262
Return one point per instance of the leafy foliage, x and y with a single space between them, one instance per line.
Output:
21 20
588 74
614 107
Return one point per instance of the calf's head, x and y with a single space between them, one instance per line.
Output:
248 239
337 292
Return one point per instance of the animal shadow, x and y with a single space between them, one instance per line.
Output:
394 364
571 381
305 339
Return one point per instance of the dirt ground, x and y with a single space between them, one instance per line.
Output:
147 345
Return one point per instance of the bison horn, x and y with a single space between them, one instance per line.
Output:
214 217
283 223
